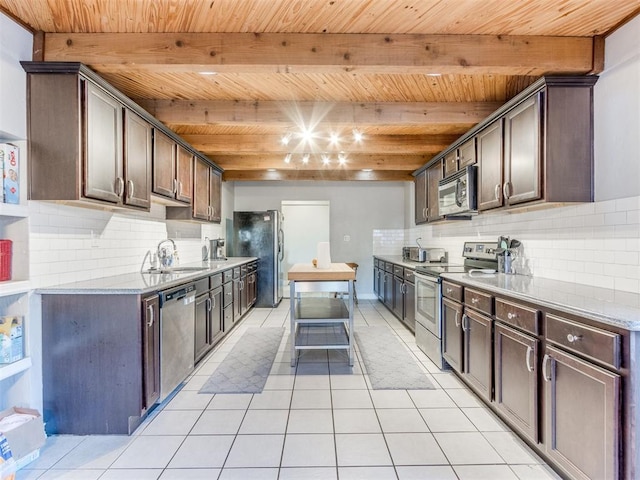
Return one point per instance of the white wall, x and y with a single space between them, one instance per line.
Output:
358 209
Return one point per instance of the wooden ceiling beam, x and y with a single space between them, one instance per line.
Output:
259 144
199 112
324 53
317 175
351 162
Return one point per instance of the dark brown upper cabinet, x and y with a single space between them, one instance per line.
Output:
206 196
172 171
426 194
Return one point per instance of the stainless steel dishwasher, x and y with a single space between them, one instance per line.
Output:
177 336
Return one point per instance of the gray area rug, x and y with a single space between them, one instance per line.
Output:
247 365
389 365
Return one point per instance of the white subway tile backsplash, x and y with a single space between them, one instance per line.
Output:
595 244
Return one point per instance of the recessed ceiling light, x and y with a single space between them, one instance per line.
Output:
271 169
357 135
287 158
208 73
434 74
305 158
367 169
307 135
285 139
325 159
334 138
342 159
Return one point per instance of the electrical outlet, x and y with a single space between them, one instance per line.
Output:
347 238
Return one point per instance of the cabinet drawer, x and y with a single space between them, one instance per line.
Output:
388 267
227 276
467 154
589 341
452 291
243 269
398 271
236 272
202 285
478 300
519 316
215 280
409 275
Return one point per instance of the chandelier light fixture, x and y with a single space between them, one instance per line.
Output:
308 146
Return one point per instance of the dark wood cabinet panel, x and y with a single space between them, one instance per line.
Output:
201 197
452 334
477 352
164 165
522 165
490 160
516 379
216 318
410 305
103 161
184 174
450 163
398 297
151 350
420 182
137 160
434 175
206 204
215 196
582 416
477 300
202 326
467 153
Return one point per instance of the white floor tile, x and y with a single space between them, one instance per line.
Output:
309 450
311 399
256 451
447 380
95 452
189 400
134 474
271 400
511 449
359 450
391 399
311 382
202 451
54 449
231 401
310 421
484 472
367 473
149 452
484 419
264 422
218 422
469 448
414 449
464 398
188 474
431 399
248 474
402 420
351 399
434 472
279 382
356 421
348 382
172 422
72 474
534 472
447 420
308 473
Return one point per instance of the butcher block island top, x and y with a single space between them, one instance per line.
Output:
306 272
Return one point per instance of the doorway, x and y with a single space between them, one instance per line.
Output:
305 223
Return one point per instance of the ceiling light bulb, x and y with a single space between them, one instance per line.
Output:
285 139
341 158
307 135
367 169
305 158
287 158
325 159
334 139
357 135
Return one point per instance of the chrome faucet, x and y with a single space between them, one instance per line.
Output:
166 257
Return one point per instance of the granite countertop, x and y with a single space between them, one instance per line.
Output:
611 307
140 283
397 259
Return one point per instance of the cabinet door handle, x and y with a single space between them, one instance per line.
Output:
209 307
119 186
449 290
573 338
424 212
213 302
175 186
130 188
457 319
179 188
545 361
506 189
511 315
465 323
497 192
151 319
529 352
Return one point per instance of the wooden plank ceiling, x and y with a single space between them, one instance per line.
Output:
233 77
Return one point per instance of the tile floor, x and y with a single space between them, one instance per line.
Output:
320 420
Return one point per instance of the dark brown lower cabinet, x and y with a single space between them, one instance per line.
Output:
398 297
388 289
582 412
409 317
151 350
477 356
452 333
516 378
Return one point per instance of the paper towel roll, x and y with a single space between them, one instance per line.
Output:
324 255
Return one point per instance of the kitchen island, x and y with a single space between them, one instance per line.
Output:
321 322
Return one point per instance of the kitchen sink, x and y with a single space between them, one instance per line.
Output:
176 270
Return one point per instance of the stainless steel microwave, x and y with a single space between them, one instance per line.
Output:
458 194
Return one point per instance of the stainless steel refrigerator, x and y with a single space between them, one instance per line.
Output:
259 234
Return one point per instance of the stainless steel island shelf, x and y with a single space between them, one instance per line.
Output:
321 322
